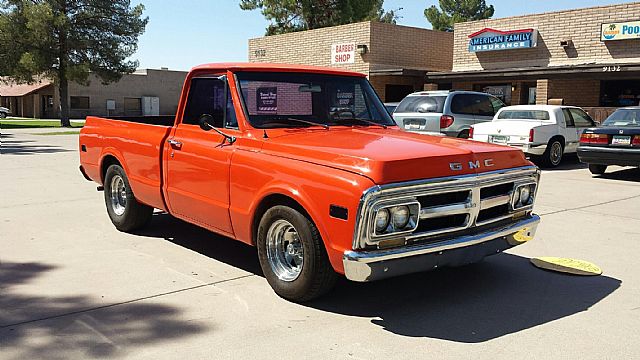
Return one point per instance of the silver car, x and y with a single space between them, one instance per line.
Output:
449 112
4 112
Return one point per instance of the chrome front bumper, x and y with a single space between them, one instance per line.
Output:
379 264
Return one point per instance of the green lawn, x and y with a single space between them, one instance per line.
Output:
10 123
70 132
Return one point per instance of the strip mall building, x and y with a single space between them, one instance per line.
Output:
584 57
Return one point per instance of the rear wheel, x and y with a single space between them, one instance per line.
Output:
3 115
552 156
125 212
597 169
292 255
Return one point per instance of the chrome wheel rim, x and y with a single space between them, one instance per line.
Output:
285 252
118 195
556 153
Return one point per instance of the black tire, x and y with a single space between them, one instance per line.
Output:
597 169
464 134
550 159
3 115
316 276
135 215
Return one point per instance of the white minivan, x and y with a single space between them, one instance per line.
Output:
545 132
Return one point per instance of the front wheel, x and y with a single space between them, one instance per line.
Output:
597 169
3 115
125 212
292 255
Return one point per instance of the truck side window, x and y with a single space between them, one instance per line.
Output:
231 120
206 96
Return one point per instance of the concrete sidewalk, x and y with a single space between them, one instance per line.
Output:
73 287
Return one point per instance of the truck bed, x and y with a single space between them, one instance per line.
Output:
134 142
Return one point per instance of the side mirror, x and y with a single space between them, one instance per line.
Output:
206 122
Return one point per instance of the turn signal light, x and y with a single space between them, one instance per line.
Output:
446 121
471 133
531 132
600 139
636 140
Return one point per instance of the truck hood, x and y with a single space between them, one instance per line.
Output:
391 155
507 127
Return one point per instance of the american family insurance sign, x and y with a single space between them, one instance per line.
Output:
494 40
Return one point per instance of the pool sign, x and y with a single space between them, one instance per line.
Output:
343 53
620 31
492 40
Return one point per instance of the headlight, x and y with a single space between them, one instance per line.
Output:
400 217
392 219
382 220
523 196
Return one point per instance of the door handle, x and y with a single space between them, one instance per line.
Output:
175 143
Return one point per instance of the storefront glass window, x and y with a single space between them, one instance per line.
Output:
501 91
619 93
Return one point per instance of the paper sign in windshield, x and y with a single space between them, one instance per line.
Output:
267 98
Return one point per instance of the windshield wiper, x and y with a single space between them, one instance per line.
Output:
370 122
308 122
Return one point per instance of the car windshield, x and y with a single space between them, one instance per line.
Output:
524 115
421 104
277 100
623 117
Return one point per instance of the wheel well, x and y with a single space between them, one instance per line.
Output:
558 137
269 202
106 162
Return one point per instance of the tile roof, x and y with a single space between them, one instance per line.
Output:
13 89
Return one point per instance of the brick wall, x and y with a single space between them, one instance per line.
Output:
312 47
389 47
575 92
582 26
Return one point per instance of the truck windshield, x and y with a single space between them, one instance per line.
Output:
276 100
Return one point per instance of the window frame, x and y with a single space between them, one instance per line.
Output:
80 108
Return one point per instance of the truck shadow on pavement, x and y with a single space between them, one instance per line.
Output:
502 295
59 327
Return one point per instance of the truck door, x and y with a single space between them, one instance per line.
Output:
198 161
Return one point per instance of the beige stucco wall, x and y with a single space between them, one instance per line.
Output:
582 26
165 84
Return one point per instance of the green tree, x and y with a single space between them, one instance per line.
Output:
296 15
455 11
66 40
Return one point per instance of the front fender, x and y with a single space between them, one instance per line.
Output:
255 176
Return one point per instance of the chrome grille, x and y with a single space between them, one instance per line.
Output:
448 205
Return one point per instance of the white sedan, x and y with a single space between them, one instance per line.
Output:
544 132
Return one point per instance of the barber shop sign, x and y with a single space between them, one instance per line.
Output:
492 40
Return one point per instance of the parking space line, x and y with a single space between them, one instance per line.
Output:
590 206
125 302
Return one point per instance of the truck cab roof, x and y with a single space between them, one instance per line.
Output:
270 67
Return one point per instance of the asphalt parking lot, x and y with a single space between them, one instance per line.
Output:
72 286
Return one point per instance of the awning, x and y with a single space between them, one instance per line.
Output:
592 71
12 89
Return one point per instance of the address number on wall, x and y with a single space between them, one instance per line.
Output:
260 53
613 68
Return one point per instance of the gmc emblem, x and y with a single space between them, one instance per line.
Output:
472 164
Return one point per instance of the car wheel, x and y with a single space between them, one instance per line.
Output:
292 255
3 115
125 212
597 169
552 156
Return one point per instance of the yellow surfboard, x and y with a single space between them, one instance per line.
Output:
570 266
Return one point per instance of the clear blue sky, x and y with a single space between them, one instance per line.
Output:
181 34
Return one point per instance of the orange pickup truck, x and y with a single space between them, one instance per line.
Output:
306 164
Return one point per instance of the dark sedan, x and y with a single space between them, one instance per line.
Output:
615 142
